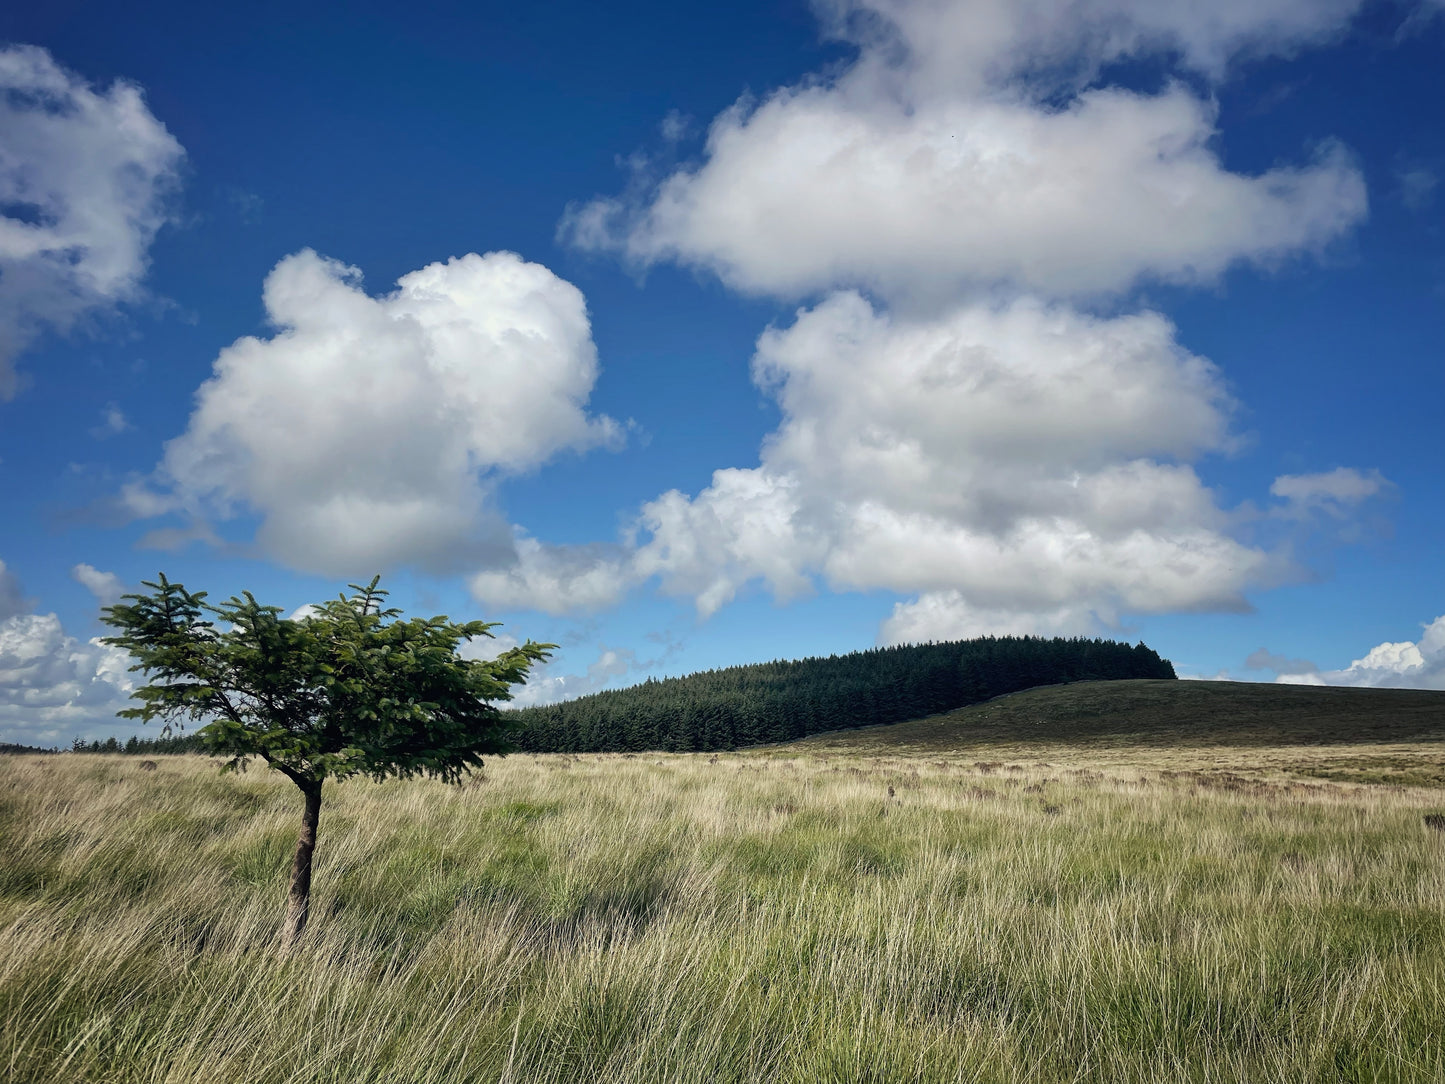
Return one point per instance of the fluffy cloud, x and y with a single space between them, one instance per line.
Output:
556 579
748 524
942 159
84 180
53 687
1020 466
1406 665
366 431
105 586
1017 467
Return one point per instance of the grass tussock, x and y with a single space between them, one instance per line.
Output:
747 917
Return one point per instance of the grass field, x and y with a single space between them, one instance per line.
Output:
942 901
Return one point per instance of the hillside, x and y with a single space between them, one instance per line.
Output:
1166 713
783 700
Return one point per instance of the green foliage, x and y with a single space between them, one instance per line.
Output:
783 701
351 689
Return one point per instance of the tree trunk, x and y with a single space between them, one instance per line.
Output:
298 902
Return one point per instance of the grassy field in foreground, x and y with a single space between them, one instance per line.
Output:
1050 911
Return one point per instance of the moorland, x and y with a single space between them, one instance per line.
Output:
1103 881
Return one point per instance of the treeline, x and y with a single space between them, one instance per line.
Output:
149 747
781 701
7 748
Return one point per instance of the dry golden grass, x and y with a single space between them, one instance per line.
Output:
1075 915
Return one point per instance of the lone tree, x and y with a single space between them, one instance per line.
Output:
350 689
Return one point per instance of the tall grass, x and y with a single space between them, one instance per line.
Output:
757 917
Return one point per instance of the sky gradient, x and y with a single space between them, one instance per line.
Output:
686 337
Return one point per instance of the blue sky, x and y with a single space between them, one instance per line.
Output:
688 336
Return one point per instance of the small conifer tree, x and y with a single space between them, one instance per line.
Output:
349 689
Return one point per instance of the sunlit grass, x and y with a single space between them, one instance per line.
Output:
767 916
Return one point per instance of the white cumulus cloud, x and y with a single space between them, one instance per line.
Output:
84 180
367 431
556 579
1409 664
1024 460
52 686
1019 467
943 159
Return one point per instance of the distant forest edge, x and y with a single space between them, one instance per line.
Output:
780 701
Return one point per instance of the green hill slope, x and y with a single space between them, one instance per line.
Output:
1164 713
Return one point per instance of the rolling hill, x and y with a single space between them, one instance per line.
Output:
776 701
1165 713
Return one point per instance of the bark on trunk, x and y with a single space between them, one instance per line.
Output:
298 902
